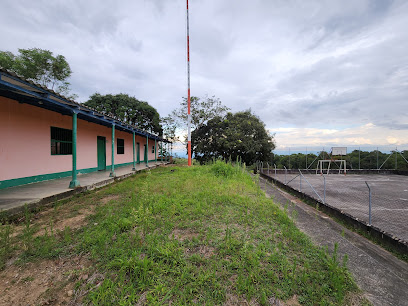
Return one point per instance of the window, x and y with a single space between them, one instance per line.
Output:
152 149
120 146
61 141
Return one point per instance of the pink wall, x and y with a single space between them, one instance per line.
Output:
142 141
25 142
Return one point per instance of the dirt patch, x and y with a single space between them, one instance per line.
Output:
72 216
42 282
293 301
355 299
73 222
183 234
142 300
233 278
59 218
203 250
232 299
108 198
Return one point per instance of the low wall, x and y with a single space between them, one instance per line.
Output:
336 171
374 231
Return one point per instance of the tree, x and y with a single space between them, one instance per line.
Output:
39 66
235 135
202 110
169 128
127 109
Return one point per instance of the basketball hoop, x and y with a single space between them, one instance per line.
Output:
335 152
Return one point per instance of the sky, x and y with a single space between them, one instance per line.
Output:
317 73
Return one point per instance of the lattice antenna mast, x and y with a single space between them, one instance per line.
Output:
188 93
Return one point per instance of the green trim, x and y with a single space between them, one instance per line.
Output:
119 165
146 156
39 178
51 176
58 140
113 174
101 152
60 154
120 146
138 153
74 182
143 162
161 150
134 152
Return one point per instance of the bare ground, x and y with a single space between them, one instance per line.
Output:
46 282
182 234
42 282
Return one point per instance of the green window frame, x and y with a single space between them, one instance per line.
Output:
152 149
61 141
120 146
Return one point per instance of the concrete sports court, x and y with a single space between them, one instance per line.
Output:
350 194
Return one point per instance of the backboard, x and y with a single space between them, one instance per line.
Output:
339 151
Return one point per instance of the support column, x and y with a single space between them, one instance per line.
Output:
161 151
74 183
134 153
147 151
112 173
155 150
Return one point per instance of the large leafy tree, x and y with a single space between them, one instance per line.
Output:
127 109
169 128
236 135
202 110
39 66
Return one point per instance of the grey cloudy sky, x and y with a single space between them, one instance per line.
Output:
316 72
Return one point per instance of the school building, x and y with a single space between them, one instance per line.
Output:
45 136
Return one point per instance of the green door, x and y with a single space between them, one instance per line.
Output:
101 145
145 154
138 153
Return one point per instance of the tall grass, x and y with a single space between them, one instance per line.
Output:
203 235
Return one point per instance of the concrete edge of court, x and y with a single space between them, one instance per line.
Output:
374 231
381 276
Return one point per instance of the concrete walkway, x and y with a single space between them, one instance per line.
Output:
382 276
13 199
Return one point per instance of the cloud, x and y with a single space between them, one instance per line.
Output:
301 64
368 135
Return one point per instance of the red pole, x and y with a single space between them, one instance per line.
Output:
188 94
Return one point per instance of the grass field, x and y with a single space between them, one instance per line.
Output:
203 235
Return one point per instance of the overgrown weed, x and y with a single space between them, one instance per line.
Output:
206 233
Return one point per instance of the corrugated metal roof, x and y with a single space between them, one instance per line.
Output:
25 88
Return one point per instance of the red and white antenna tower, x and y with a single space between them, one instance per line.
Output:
188 94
